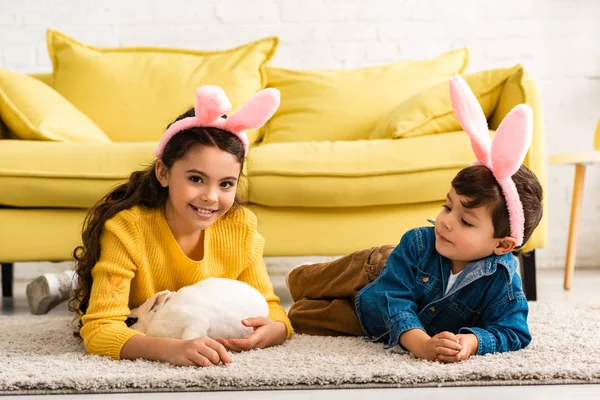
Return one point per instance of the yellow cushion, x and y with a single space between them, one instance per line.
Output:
55 233
74 175
430 111
33 110
44 77
71 175
134 93
309 231
361 173
513 93
347 104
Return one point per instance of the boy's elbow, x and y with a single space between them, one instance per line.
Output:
517 340
502 340
525 340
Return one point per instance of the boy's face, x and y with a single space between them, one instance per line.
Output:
467 234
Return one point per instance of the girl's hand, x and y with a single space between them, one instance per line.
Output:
266 333
203 351
444 344
469 344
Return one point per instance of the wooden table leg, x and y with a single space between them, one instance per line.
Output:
574 224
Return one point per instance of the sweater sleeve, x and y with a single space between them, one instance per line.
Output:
104 331
256 275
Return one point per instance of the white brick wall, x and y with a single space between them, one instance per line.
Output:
557 41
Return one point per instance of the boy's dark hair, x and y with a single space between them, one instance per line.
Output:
142 188
478 184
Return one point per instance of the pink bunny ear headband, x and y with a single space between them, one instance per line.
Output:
212 103
504 154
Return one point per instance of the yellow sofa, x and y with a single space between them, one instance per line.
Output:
311 197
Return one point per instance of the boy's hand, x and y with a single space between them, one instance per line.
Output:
266 333
469 344
444 344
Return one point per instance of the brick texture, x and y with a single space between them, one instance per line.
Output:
558 41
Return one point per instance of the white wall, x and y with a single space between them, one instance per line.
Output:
557 41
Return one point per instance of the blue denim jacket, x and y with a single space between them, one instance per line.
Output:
487 298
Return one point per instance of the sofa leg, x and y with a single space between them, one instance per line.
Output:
527 264
7 279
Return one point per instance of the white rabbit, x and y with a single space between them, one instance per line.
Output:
214 307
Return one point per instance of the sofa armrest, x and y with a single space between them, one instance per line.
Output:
521 88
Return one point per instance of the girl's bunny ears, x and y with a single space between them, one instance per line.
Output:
505 153
212 103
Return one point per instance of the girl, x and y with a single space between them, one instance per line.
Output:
172 225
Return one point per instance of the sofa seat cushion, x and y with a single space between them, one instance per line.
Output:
358 173
73 175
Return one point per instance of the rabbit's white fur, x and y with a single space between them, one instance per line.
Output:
214 307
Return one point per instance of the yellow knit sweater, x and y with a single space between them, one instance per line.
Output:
139 256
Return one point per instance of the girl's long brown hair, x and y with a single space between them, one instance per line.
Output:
142 188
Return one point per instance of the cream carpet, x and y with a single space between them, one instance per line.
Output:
38 355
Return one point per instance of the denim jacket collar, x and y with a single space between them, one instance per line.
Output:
483 267
486 266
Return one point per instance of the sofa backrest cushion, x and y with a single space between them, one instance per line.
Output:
341 105
33 110
134 93
430 111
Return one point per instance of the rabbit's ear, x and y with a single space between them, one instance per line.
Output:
160 299
255 112
471 118
512 140
211 104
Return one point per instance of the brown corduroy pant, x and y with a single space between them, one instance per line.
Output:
324 293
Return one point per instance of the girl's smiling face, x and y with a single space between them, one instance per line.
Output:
202 187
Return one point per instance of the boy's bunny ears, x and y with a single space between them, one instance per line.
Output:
212 103
505 153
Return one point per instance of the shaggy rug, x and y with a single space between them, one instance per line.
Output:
39 355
